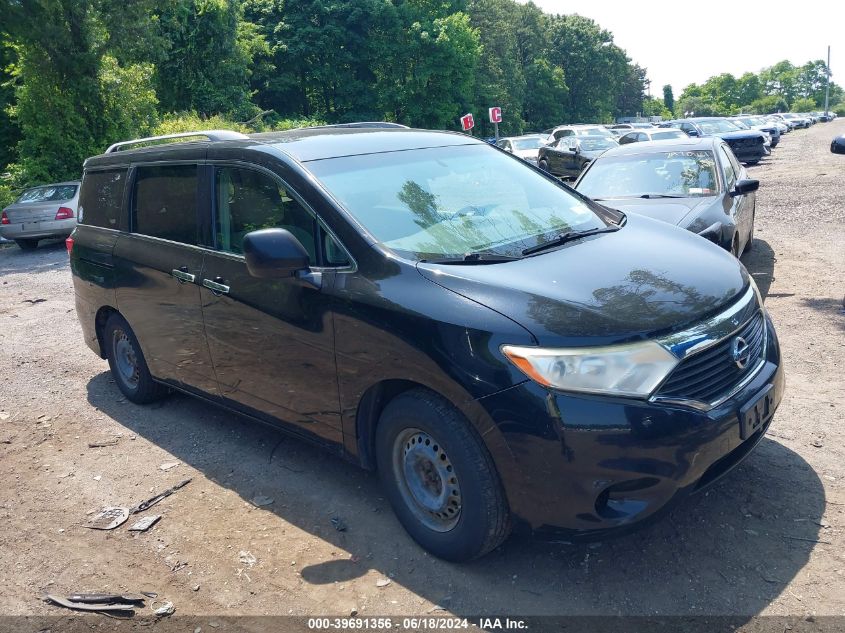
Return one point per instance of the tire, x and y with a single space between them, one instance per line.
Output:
27 244
753 162
127 363
422 443
750 245
735 246
544 165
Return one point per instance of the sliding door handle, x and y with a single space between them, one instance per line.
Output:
182 275
216 288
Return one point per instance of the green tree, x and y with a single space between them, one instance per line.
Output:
804 104
769 104
208 52
499 78
546 94
9 131
748 88
668 98
631 91
77 84
579 46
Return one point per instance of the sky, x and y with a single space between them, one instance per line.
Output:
679 44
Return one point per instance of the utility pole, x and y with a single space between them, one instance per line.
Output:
827 85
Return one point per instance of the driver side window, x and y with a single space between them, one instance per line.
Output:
730 172
248 200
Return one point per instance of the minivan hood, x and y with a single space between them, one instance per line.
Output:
642 280
671 210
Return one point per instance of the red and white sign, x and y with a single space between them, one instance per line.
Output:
496 115
467 122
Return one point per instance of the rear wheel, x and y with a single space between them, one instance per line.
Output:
27 244
439 477
127 363
750 245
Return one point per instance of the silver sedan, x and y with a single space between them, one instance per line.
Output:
41 212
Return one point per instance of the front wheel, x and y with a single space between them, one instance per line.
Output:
439 477
544 165
127 363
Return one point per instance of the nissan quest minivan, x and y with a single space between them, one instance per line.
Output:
504 352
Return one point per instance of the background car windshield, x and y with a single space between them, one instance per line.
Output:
451 201
528 143
48 194
718 126
596 144
662 136
691 174
593 131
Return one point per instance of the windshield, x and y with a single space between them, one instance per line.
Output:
683 174
662 136
593 131
528 143
52 193
717 126
452 201
742 125
594 144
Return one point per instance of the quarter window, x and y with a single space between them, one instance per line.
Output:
166 202
101 198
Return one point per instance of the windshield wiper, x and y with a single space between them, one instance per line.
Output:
563 238
662 195
472 258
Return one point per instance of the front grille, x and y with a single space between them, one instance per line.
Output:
712 373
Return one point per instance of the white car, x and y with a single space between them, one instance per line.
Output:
527 147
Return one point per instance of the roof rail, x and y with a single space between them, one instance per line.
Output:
211 135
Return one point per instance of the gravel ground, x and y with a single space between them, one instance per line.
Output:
769 539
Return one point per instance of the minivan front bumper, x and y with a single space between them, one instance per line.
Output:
589 466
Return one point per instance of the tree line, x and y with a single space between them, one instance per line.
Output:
76 75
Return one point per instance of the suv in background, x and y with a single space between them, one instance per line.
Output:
501 349
749 146
39 213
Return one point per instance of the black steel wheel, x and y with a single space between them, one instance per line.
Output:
127 363
440 478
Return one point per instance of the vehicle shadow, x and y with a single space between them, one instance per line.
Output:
49 255
728 551
760 262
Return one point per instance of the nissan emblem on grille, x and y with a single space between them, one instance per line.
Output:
740 352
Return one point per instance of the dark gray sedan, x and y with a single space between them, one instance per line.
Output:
697 184
568 156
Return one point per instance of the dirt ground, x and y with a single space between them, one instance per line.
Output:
769 539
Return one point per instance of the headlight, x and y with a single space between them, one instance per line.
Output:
634 369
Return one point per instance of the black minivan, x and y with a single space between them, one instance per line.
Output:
505 352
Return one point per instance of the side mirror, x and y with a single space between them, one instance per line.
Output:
745 186
691 132
274 254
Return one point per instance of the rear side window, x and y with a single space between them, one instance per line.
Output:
101 198
165 202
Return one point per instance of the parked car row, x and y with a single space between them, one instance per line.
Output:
506 352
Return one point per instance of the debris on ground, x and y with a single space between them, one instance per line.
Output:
5 415
338 524
247 558
167 466
149 503
103 443
118 605
34 301
142 525
109 518
262 500
166 608
383 582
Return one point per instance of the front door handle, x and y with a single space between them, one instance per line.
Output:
216 287
182 275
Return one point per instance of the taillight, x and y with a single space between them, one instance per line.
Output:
4 219
64 213
69 245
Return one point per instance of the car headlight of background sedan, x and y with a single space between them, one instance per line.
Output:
633 369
